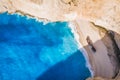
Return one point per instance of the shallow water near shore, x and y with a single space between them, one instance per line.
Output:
30 50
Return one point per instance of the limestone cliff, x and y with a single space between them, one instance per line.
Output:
101 12
105 13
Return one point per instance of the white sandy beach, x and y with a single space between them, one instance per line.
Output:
84 52
101 12
100 62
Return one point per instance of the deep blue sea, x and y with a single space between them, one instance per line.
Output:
30 50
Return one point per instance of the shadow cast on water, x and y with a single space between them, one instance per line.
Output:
73 68
18 40
29 48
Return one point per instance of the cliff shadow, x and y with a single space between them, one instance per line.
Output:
73 68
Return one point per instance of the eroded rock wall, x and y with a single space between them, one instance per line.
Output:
105 13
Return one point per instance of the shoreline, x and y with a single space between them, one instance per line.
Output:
101 64
79 36
102 13
81 43
84 52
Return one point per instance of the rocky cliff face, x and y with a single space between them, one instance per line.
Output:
100 12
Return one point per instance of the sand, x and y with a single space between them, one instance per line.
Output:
100 61
101 12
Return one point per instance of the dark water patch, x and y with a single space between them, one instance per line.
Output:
73 68
29 49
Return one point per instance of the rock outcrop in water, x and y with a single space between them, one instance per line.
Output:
100 12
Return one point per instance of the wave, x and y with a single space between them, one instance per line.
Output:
84 52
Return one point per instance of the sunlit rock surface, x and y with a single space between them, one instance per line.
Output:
103 13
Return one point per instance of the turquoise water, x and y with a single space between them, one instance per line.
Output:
30 50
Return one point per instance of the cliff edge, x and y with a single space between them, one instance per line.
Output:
102 13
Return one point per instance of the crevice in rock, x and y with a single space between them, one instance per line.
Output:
74 2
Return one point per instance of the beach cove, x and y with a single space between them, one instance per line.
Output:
93 27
